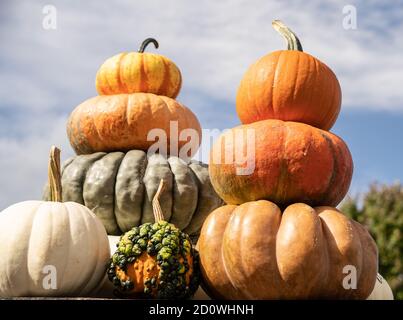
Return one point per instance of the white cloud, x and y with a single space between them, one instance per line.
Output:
44 74
24 160
212 42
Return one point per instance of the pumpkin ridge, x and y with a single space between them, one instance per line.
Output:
222 252
74 130
326 251
198 199
84 284
98 264
100 81
345 159
122 188
82 145
177 175
254 100
331 241
165 83
92 119
143 74
327 102
109 86
205 192
66 164
223 245
113 195
274 92
366 240
79 161
121 82
68 251
143 172
296 77
92 197
31 222
342 154
336 90
361 262
284 168
332 96
172 190
312 76
179 84
335 170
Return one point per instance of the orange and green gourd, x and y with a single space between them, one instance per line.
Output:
155 260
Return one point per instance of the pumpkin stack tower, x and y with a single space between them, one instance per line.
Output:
128 138
280 236
137 94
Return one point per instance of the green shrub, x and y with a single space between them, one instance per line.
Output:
381 210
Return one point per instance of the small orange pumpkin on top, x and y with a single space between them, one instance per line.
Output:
139 72
289 85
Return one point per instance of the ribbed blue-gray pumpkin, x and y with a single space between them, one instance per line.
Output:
118 187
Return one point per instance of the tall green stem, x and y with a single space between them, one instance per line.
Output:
293 42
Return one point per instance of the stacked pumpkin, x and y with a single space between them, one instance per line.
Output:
151 192
115 174
279 236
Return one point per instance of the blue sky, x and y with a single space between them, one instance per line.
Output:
44 74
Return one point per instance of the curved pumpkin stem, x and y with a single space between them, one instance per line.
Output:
146 42
158 215
293 42
54 175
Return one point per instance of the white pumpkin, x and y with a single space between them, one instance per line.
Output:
382 290
51 248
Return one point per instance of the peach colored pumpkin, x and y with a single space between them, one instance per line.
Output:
253 251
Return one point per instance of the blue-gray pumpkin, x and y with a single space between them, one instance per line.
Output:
119 187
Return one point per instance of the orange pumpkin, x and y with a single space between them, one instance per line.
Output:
287 162
289 85
139 72
253 251
122 122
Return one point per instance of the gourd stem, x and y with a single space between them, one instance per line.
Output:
293 42
146 42
54 175
158 215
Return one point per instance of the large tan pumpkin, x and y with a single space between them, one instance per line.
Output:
287 162
123 122
50 248
253 251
